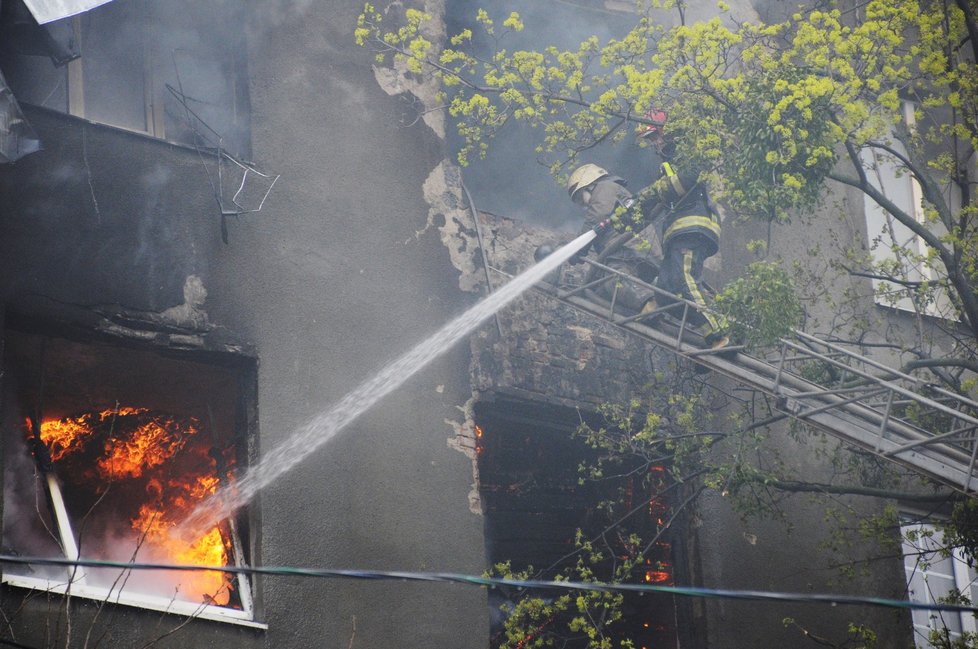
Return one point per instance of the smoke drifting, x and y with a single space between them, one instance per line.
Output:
126 476
512 181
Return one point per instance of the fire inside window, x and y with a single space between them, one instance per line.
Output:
106 451
534 502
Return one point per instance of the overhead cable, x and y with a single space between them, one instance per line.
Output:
498 582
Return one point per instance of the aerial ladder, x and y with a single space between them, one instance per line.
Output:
885 411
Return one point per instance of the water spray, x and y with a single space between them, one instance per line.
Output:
324 427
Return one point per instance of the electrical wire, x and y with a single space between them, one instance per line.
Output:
496 582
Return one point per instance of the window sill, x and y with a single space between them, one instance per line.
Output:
142 135
139 600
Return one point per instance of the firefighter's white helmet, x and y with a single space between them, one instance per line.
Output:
584 176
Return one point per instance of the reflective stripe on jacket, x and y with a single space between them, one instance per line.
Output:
687 212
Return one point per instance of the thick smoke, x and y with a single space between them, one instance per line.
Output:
512 181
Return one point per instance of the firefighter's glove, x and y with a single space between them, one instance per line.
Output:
603 227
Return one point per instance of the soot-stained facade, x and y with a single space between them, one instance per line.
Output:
148 276
139 273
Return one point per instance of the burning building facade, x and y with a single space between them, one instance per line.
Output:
235 218
176 321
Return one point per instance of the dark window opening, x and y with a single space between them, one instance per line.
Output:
534 502
174 73
107 449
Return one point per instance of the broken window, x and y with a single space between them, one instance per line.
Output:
107 449
534 501
175 73
936 574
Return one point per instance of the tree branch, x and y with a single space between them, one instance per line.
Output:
970 25
855 490
548 95
941 362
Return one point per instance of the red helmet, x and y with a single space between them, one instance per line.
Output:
657 117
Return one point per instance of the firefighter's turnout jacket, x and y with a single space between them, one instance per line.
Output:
607 195
690 234
687 217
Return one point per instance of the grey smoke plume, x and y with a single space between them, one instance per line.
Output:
511 181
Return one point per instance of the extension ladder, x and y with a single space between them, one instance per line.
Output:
882 410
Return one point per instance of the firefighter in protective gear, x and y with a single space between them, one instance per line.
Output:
602 194
690 231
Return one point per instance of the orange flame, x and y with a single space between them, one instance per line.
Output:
148 446
208 550
479 447
657 576
139 449
62 435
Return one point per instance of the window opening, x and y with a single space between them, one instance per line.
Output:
142 65
534 502
106 450
935 572
895 249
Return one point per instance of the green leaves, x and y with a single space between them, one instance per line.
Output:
761 305
586 616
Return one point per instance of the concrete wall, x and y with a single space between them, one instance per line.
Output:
338 274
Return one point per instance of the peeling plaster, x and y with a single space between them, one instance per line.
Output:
396 80
443 192
465 442
448 213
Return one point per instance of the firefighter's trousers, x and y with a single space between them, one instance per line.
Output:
682 267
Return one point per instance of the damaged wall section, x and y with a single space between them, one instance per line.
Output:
548 351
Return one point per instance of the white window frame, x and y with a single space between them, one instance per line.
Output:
75 584
900 187
72 580
139 600
922 558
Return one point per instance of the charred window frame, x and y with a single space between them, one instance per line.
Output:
533 503
102 495
173 73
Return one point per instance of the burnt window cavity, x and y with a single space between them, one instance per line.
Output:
107 449
535 501
177 73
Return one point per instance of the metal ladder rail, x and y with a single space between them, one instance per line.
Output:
835 417
849 418
876 431
893 385
890 382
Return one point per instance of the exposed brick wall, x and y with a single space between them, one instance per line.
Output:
549 351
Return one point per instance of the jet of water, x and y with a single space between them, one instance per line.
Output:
326 425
